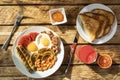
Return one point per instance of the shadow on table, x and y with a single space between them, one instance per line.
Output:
61 71
5 57
67 49
105 73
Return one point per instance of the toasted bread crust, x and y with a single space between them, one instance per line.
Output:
103 22
110 17
97 23
90 26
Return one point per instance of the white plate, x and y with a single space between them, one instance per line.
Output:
104 38
37 74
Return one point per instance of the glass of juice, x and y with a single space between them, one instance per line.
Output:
86 54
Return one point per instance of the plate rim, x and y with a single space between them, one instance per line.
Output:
26 31
108 36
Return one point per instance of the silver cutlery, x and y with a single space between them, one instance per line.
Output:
15 26
73 47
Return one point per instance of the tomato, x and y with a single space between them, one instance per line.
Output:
33 35
26 39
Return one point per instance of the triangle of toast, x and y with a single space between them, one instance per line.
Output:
90 26
103 22
109 16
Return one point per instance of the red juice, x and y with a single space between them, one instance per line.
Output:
86 54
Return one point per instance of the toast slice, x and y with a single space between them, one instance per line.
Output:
90 26
103 22
110 17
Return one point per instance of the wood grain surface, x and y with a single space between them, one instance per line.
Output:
76 72
58 1
66 33
113 51
40 14
36 14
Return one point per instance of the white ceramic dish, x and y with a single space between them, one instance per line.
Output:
36 74
104 38
54 10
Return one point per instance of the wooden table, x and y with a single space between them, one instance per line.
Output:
36 13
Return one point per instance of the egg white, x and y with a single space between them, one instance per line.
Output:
40 45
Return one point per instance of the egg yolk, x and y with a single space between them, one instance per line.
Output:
32 47
44 41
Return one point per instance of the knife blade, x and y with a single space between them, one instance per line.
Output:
73 47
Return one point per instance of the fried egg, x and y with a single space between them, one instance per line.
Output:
32 47
43 41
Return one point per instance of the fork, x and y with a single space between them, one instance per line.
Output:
15 26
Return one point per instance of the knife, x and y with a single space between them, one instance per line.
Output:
73 47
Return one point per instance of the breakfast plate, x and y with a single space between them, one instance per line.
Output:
37 74
103 39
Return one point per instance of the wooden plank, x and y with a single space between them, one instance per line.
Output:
10 72
6 58
112 50
76 72
58 1
66 33
14 78
40 14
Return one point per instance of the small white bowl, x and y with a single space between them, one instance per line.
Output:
64 15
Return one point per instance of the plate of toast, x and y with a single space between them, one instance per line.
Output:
38 52
96 23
